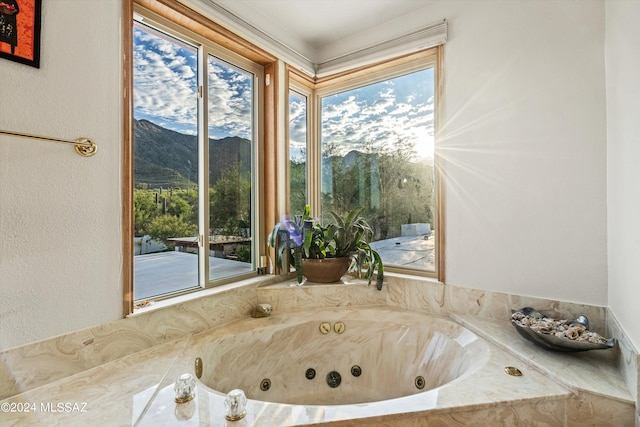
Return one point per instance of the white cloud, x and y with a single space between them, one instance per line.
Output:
297 124
368 119
165 89
164 84
230 100
375 116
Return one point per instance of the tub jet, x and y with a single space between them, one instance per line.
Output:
265 384
310 373
356 370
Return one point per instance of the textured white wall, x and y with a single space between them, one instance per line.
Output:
623 155
59 212
524 143
524 130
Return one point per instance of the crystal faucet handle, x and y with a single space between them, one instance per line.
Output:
235 403
185 388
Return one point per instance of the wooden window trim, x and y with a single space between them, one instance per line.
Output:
192 21
127 157
198 24
359 77
439 169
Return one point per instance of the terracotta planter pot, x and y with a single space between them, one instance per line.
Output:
327 270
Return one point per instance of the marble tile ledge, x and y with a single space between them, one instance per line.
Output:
593 377
594 372
138 390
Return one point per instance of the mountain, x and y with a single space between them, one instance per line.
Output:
165 158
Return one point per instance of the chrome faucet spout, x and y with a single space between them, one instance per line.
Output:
262 310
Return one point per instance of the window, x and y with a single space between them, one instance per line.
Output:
231 135
298 140
376 145
202 129
194 173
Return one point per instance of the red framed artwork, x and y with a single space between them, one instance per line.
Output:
20 31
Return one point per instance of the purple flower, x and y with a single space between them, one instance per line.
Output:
295 234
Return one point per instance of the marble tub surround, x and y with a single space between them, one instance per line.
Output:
486 392
35 364
349 292
593 371
138 390
627 360
432 297
110 356
600 393
423 294
112 394
435 297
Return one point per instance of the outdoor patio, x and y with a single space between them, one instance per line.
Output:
165 272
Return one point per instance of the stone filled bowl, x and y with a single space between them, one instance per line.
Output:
552 342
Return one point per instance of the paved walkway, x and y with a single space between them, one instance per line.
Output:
164 272
408 251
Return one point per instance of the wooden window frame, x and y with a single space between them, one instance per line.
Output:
186 18
359 77
269 152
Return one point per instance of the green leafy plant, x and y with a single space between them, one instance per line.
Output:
164 227
345 237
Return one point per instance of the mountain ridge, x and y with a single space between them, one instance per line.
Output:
166 158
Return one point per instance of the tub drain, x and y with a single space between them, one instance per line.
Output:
419 382
334 379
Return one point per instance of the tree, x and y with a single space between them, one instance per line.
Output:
164 227
388 181
145 209
150 206
297 185
179 207
230 201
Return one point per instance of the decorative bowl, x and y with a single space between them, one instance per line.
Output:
558 343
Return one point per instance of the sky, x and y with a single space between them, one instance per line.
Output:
374 116
165 91
377 115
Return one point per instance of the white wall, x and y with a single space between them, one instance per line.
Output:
524 147
623 158
524 131
60 257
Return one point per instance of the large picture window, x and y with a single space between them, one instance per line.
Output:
194 172
206 169
377 151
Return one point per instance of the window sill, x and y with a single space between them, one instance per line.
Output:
257 281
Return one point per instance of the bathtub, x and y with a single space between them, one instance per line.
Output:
411 369
340 356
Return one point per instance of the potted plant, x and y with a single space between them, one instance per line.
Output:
315 249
